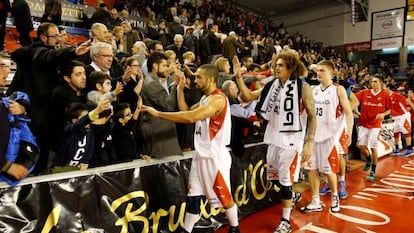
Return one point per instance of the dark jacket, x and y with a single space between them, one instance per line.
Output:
78 143
4 135
62 96
22 17
159 136
37 75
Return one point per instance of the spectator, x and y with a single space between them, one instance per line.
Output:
223 66
18 171
176 27
114 20
5 12
100 15
132 81
78 141
153 46
104 152
178 47
139 51
230 45
22 21
70 91
131 35
36 74
204 48
101 54
124 132
159 137
53 12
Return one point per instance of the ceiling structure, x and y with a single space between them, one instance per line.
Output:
276 8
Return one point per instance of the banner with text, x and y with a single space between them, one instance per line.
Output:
140 200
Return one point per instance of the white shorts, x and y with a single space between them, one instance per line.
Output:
211 178
368 137
341 145
283 165
402 124
325 157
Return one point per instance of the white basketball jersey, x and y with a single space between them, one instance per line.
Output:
328 112
288 140
212 134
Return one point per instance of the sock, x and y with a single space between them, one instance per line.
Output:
369 159
232 216
341 178
316 200
373 167
334 194
189 221
286 213
397 147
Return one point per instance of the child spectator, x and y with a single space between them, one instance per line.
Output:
77 147
104 152
124 131
102 83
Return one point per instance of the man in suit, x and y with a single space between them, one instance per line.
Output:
159 136
230 45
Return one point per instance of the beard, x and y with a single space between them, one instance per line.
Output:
161 75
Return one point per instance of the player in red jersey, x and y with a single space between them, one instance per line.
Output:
402 119
375 105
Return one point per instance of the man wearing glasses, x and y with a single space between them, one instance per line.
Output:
375 105
37 75
102 57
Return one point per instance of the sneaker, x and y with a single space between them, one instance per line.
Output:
407 153
396 151
342 190
234 229
311 207
296 198
284 227
367 166
371 176
335 204
325 189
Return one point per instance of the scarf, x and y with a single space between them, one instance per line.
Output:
287 107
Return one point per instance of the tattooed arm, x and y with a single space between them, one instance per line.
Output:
311 126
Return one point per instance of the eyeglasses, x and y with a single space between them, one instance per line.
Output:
105 55
54 36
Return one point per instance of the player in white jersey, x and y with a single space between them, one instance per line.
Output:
287 104
210 168
332 111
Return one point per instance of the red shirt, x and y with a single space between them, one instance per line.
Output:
398 104
411 110
371 106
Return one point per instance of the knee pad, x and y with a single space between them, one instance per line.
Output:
286 192
193 204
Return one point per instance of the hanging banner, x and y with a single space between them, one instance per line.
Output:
388 24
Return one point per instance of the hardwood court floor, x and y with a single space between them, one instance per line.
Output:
385 205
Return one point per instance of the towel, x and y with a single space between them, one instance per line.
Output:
286 105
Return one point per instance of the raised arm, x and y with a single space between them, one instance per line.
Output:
213 107
245 92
